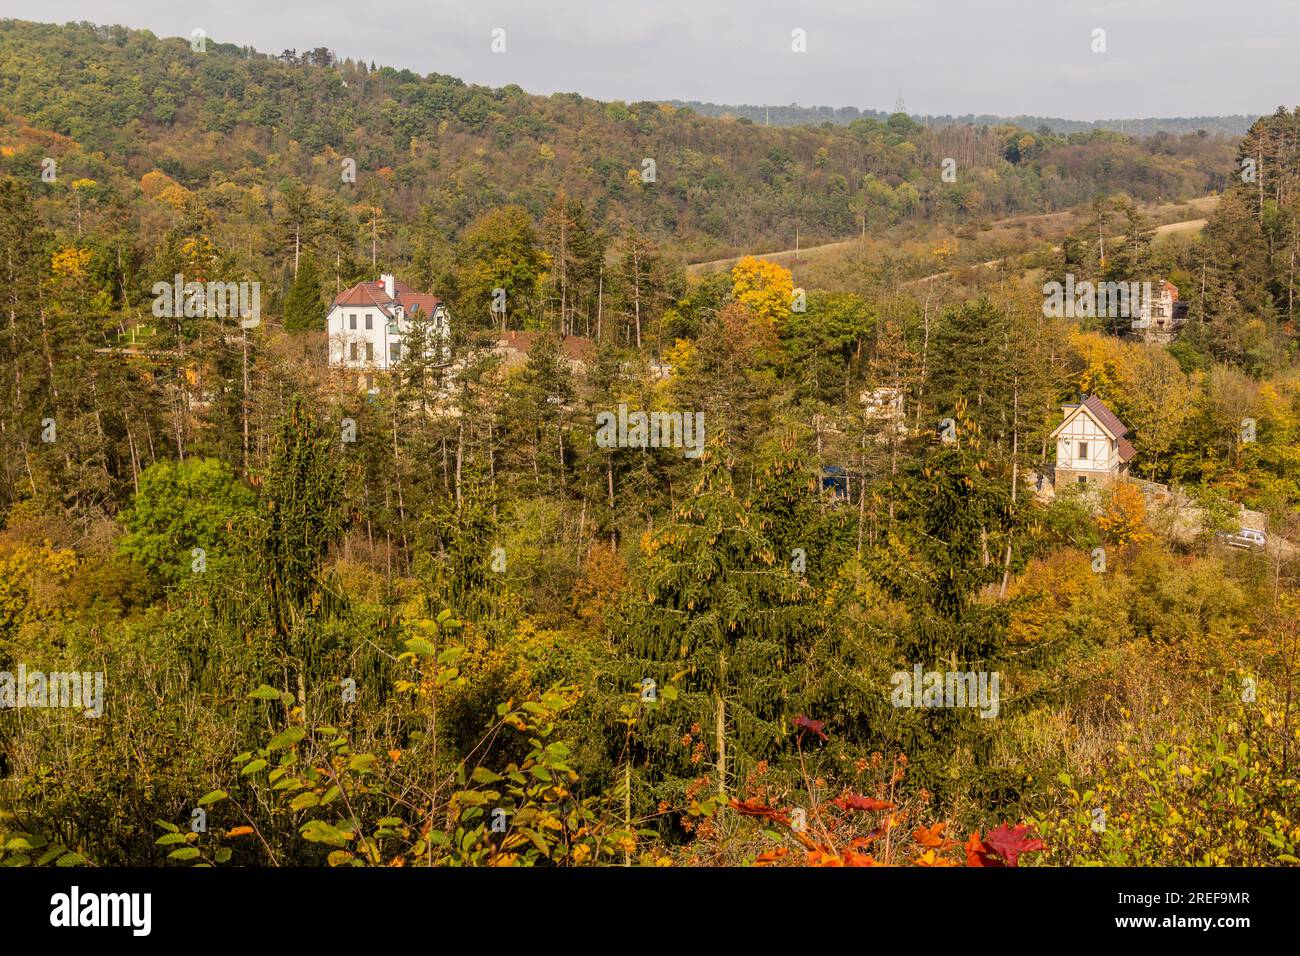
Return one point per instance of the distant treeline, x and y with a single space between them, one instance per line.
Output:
795 115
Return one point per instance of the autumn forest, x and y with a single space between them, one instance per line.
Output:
709 493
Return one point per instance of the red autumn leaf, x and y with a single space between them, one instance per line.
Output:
1009 843
817 727
856 801
752 808
978 855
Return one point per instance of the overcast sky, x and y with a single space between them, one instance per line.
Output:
1006 57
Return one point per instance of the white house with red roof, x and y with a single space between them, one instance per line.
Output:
368 323
1090 445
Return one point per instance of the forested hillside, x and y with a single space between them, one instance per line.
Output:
230 125
453 619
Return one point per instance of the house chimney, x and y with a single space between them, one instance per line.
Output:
387 280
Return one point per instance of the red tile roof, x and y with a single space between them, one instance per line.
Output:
575 347
1109 420
372 293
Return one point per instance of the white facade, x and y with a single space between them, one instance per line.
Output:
370 336
1083 445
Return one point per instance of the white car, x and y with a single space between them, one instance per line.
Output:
1247 538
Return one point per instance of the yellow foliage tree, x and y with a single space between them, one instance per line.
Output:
1125 519
763 288
154 182
1103 367
70 263
31 580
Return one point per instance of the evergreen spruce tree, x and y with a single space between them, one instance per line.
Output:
300 520
956 516
719 613
304 308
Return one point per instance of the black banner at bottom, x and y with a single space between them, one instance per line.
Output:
271 906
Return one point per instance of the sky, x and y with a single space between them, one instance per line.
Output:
1004 57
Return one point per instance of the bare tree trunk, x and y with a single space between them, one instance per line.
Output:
720 728
1015 478
636 291
244 407
460 451
401 503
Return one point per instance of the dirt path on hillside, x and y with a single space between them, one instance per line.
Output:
1168 229
785 256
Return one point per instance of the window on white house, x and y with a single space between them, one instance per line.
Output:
352 351
394 352
1083 450
370 351
368 318
352 321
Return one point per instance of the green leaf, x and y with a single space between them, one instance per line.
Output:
186 853
253 767
318 831
418 645
212 797
286 738
303 801
483 775
265 692
451 655
48 856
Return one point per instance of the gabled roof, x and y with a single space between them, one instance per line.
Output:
1104 417
1108 419
372 293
